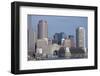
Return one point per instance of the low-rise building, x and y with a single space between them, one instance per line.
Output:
77 53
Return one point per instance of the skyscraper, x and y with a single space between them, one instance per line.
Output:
59 36
42 29
80 37
31 38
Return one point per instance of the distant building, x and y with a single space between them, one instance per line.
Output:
64 52
42 29
39 51
58 37
67 53
86 51
32 37
49 41
62 41
71 37
53 48
80 37
67 43
61 52
77 53
43 44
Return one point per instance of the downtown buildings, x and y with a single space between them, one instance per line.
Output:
60 46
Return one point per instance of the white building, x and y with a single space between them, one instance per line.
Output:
67 53
80 37
43 44
52 48
39 51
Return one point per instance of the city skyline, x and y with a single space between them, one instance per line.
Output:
66 24
62 44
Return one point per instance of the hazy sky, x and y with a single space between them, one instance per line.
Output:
56 24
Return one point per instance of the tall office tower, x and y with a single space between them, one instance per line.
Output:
31 37
71 37
42 29
58 37
80 37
